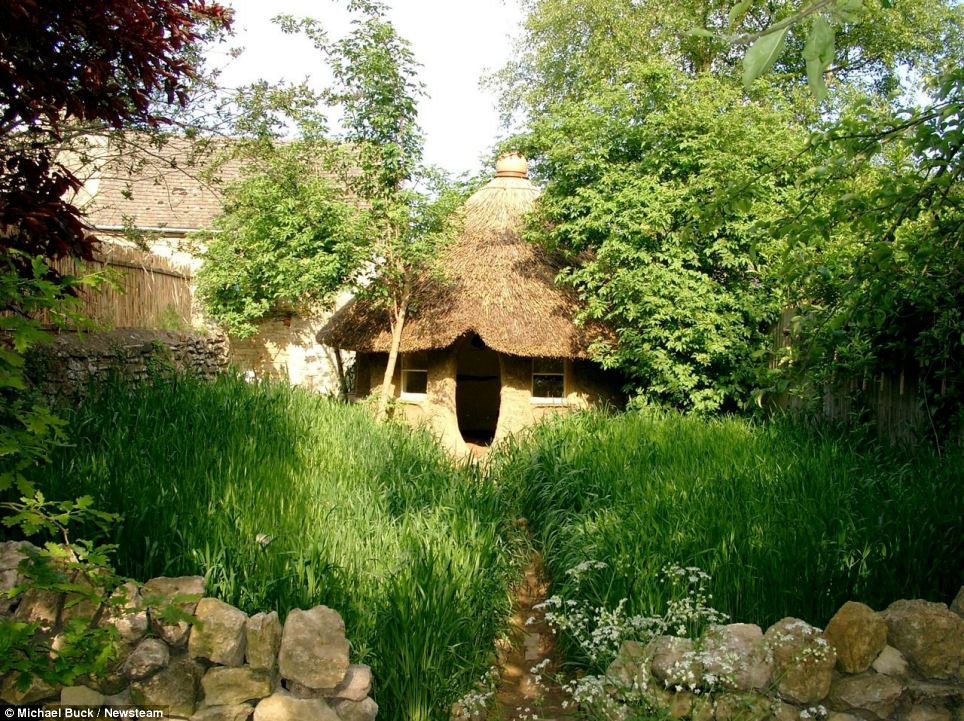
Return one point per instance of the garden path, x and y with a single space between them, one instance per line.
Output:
519 696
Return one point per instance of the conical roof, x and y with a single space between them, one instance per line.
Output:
495 285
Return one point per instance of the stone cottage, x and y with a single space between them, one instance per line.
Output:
492 347
159 194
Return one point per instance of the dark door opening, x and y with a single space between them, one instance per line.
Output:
477 391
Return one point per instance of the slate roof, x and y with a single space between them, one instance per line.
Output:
156 187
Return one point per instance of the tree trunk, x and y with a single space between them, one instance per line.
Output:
382 411
342 380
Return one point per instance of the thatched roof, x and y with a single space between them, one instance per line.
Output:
496 285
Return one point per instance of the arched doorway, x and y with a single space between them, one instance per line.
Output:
477 390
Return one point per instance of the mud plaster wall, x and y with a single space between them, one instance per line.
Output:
586 387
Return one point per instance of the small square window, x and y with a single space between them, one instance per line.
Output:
414 375
548 379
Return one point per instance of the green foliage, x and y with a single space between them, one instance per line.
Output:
408 208
567 47
287 238
874 263
283 499
788 520
657 190
78 570
27 428
762 54
864 44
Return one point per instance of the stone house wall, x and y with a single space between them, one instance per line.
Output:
219 664
286 348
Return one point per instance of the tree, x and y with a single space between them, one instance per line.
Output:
105 62
287 237
408 209
874 264
646 180
639 194
375 74
567 46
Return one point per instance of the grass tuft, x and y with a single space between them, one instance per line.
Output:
788 520
283 499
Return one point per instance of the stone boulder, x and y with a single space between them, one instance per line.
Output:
82 604
364 710
957 605
128 615
119 699
35 691
81 696
743 707
735 657
282 706
356 686
674 662
11 555
150 656
890 662
218 636
40 606
930 636
182 592
630 669
235 712
925 713
674 704
228 686
803 660
174 688
934 693
262 635
314 650
871 695
781 711
858 635
109 684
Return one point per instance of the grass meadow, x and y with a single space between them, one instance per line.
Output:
788 520
282 499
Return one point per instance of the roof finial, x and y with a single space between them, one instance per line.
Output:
511 165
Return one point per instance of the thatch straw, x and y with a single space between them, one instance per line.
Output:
495 285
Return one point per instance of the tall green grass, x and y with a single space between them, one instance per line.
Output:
370 519
788 520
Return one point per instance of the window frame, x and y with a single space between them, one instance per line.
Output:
406 366
549 400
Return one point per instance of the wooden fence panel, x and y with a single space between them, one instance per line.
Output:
892 400
148 290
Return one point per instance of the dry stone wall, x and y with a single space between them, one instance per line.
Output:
905 663
71 362
210 662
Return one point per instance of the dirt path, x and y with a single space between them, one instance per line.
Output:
519 696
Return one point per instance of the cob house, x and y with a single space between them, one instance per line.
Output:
492 347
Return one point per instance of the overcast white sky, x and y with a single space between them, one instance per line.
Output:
454 40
